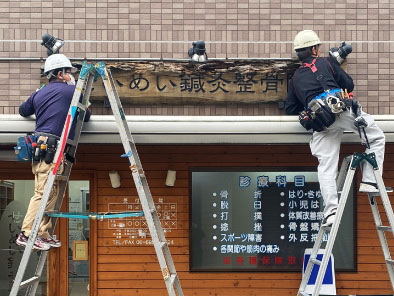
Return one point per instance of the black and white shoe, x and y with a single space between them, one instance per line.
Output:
329 220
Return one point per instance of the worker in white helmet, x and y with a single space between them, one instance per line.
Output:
50 105
318 92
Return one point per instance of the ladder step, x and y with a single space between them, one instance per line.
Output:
51 212
163 244
384 228
29 281
81 106
173 278
61 177
304 294
315 261
388 190
153 210
72 142
390 261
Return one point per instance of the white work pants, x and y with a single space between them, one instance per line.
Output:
325 146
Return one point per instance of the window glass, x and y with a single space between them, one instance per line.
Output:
14 199
78 232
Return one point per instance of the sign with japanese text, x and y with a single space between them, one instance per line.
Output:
133 231
183 88
260 220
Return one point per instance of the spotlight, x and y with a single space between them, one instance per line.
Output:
52 44
339 54
115 179
198 52
170 179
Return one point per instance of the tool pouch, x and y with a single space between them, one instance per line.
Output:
305 119
51 149
326 116
24 148
40 149
45 148
321 114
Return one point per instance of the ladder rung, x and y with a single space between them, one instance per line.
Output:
315 261
384 228
163 244
52 212
61 178
388 190
373 194
304 294
153 210
173 278
72 142
390 261
29 281
81 106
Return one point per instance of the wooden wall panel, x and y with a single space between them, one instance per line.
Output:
133 270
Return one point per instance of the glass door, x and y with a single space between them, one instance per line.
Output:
78 240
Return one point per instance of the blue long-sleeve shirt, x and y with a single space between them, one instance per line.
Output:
50 105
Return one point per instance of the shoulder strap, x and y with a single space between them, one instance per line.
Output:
319 77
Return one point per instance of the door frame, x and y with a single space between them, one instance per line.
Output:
57 261
58 258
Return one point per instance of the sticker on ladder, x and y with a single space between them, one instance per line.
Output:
165 272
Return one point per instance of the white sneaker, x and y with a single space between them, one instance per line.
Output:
52 242
368 188
41 245
371 188
329 220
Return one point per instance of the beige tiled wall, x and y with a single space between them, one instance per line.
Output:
165 28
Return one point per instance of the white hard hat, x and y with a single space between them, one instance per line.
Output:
306 38
57 61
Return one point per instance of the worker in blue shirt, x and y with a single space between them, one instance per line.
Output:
316 92
50 105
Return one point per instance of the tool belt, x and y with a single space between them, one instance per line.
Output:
45 147
322 110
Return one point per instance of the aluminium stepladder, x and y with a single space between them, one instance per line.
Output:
88 74
348 170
